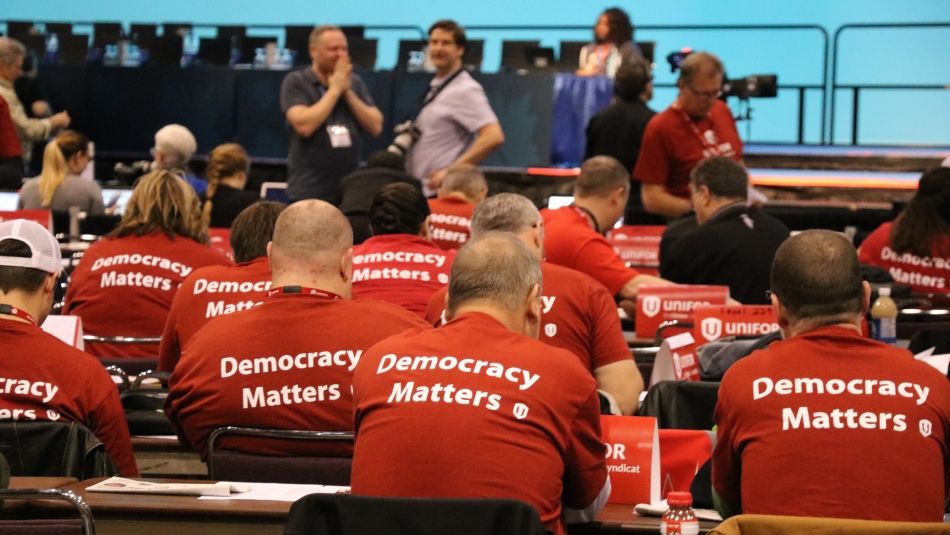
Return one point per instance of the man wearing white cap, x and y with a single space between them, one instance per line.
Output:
174 147
43 378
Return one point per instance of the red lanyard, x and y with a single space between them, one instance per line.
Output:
302 290
11 310
586 214
713 147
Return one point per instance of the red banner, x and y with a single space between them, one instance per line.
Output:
656 304
715 322
43 217
638 246
633 458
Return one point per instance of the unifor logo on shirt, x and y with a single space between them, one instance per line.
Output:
711 328
651 305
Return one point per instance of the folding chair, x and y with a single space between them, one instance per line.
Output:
681 404
64 449
52 526
344 514
232 465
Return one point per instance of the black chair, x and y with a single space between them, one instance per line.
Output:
215 50
73 49
16 28
297 38
363 53
344 514
474 52
107 29
33 42
249 45
648 48
235 33
681 404
232 465
132 367
84 525
143 31
176 28
64 449
405 47
59 28
514 54
143 403
568 57
165 50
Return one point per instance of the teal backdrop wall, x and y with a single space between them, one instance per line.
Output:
919 56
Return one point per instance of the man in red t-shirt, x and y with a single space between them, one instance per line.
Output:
219 290
286 363
43 378
828 423
574 235
11 160
578 314
450 217
479 407
696 126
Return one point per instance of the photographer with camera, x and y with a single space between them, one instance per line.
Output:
456 123
697 125
327 108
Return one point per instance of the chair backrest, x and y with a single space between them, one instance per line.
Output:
363 53
681 404
768 524
344 514
232 465
215 50
569 54
474 52
405 47
513 56
65 449
53 526
144 402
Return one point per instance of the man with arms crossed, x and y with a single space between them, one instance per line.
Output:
828 423
327 108
515 418
578 315
457 123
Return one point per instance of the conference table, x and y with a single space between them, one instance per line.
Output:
142 514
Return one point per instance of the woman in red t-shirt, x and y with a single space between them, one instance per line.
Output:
124 284
915 248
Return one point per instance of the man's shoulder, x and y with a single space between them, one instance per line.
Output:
564 277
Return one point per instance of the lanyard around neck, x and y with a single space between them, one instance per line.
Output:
11 310
303 290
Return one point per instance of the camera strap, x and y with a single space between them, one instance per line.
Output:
434 92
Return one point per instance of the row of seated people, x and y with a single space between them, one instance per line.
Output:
285 391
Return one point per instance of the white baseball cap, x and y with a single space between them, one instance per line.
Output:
44 249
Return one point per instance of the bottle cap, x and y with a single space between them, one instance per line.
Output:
884 291
679 498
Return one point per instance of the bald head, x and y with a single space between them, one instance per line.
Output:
815 275
311 235
494 268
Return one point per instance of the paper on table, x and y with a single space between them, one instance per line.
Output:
121 484
660 507
279 492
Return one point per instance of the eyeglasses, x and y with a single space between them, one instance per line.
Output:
705 94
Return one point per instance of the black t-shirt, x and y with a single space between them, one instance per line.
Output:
617 131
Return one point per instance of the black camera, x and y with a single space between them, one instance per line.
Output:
407 134
752 86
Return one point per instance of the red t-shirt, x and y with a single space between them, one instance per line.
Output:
569 241
9 141
577 315
474 410
843 427
45 379
671 147
284 364
124 287
401 269
208 292
450 222
930 274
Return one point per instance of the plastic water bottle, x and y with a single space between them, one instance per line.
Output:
260 59
52 48
884 317
679 519
416 61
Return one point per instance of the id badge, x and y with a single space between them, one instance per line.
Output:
339 136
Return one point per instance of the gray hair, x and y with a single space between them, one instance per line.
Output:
505 212
177 143
10 50
464 178
495 267
599 176
696 62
